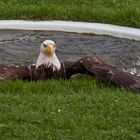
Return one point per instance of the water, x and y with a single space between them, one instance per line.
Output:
22 47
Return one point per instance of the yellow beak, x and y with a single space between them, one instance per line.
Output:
50 49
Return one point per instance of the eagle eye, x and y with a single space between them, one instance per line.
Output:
44 45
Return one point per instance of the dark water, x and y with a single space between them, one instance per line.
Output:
22 47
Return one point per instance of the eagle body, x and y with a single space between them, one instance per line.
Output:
46 73
48 65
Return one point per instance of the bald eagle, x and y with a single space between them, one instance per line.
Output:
48 66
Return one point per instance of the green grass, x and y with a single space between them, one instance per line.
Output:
64 110
121 12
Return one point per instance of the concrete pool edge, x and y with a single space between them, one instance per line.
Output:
75 27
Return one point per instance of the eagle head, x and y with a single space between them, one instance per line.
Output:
48 47
47 56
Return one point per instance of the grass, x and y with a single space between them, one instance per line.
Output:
68 110
120 12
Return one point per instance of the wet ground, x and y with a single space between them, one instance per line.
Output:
22 47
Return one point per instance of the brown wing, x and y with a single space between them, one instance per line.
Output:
12 72
81 66
108 73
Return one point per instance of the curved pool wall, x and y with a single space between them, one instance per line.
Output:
71 26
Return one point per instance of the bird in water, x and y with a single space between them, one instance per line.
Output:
48 66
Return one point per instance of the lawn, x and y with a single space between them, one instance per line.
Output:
120 12
64 110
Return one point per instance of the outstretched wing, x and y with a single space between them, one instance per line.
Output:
12 72
108 73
